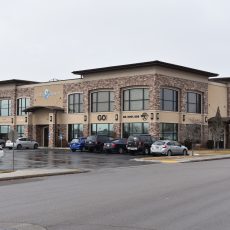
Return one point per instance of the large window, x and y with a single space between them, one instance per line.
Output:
20 130
5 107
4 130
75 130
135 99
102 129
169 100
102 101
75 103
193 102
135 128
22 103
169 131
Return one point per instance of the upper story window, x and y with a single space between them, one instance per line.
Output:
135 99
22 103
193 102
102 101
169 99
75 103
5 107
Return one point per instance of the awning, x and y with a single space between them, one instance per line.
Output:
224 119
36 108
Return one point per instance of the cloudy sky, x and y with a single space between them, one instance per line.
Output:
45 39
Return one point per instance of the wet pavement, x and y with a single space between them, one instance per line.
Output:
63 158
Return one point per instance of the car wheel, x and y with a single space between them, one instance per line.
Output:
3 145
73 150
35 146
169 153
146 151
19 147
121 150
10 147
185 152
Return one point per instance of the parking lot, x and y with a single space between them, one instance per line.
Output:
64 158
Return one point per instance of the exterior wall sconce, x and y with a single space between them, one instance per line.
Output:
12 120
157 116
85 117
26 119
183 117
206 119
152 116
51 118
116 117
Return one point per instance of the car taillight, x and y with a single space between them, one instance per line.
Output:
139 143
113 145
164 146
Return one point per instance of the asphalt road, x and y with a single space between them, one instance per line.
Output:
191 196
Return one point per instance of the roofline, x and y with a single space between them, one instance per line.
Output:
220 79
18 82
146 64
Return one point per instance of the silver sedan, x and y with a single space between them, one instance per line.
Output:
22 143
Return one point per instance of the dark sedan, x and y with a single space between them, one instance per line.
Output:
116 146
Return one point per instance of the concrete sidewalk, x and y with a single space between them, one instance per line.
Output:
31 173
184 159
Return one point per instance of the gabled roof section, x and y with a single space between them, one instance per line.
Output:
17 82
146 64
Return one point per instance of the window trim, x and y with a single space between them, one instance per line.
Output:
109 102
9 113
201 106
69 94
176 101
142 100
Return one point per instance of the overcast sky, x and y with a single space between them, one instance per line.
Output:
45 39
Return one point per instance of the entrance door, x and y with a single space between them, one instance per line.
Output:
46 136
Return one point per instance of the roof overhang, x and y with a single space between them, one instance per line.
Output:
36 108
146 64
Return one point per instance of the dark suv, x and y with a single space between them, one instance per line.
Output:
96 142
140 143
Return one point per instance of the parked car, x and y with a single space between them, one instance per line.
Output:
116 146
96 142
2 154
77 144
167 147
22 143
2 143
140 143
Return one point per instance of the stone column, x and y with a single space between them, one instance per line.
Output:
52 119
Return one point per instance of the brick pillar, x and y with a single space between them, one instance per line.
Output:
52 118
154 129
117 130
86 130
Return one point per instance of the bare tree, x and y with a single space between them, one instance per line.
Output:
216 128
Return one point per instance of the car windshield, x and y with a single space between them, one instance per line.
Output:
75 140
91 138
132 138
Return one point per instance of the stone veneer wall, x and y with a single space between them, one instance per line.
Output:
154 82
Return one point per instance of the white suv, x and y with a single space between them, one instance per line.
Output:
22 143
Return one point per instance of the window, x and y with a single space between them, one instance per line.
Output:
169 100
20 130
4 130
168 131
193 102
75 130
135 128
22 103
135 99
5 107
75 103
102 129
102 101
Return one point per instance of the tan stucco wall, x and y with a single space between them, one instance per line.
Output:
54 95
217 96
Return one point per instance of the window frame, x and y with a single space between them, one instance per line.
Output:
78 103
130 128
174 101
8 108
129 101
71 129
174 133
21 107
95 104
198 103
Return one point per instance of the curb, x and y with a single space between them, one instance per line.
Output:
6 177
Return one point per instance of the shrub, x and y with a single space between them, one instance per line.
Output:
210 144
188 143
